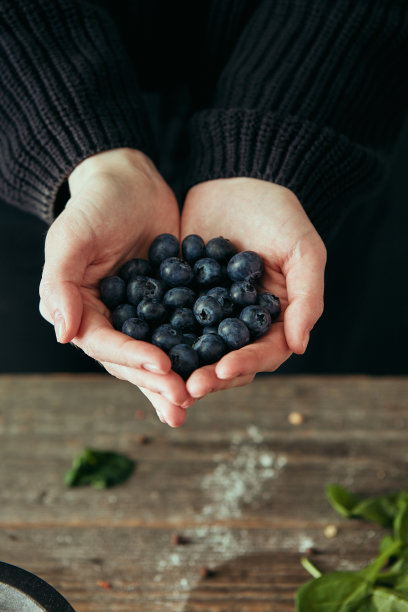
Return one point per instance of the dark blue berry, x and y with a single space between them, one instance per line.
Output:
189 339
234 332
207 271
121 313
208 311
136 328
179 297
210 348
144 287
243 293
163 247
175 272
193 248
165 337
152 311
222 295
271 303
135 267
246 265
183 319
257 319
210 329
113 291
220 249
184 360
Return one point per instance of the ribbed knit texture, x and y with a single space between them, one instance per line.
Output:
311 98
308 94
67 91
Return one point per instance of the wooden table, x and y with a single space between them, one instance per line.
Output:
243 485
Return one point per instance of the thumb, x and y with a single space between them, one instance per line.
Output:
61 301
305 286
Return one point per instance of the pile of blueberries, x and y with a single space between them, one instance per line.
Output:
196 308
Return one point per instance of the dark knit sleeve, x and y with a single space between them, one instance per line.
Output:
67 91
311 97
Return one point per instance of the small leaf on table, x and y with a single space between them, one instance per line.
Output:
101 469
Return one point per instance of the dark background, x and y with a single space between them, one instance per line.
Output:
364 328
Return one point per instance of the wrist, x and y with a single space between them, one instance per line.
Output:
113 162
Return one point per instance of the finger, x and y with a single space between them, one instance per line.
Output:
264 355
168 413
170 386
305 286
97 338
66 257
204 381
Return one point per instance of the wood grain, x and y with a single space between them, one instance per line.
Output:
243 485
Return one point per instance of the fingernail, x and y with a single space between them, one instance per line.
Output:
187 403
59 325
159 414
152 367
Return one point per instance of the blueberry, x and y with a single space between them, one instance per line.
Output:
207 271
208 311
152 311
136 328
246 265
113 291
220 249
144 287
135 267
135 289
175 272
210 329
122 313
210 348
183 319
193 248
257 319
222 295
165 337
243 293
271 303
163 247
184 360
179 297
189 339
234 332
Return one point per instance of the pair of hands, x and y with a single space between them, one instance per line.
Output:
119 203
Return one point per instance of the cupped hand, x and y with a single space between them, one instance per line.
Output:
119 203
260 216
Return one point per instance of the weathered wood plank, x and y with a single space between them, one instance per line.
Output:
238 480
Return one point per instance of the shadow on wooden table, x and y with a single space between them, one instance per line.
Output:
261 582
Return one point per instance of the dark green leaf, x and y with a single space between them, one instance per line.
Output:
341 499
381 509
334 592
101 469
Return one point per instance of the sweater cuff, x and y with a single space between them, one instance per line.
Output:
69 91
319 165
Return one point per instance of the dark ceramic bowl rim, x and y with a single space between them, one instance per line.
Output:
31 585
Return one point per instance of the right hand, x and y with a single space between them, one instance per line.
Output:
119 203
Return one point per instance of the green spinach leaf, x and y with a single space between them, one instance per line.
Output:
385 600
101 469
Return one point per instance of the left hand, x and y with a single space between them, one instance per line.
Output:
260 216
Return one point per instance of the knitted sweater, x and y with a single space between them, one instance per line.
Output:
309 94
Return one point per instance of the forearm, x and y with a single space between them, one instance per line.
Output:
311 98
67 91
